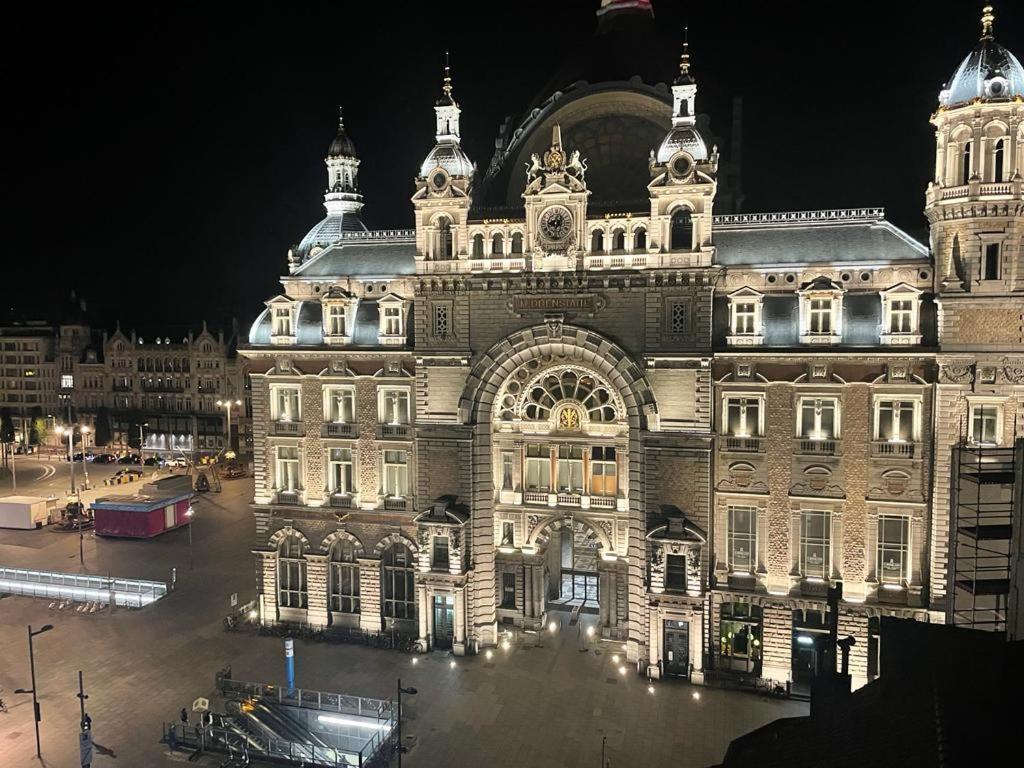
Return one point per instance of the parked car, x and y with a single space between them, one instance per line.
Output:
232 471
153 461
129 458
22 448
176 461
104 458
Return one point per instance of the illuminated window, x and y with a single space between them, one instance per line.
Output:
336 319
901 310
985 423
538 468
818 418
291 573
340 405
604 475
339 471
896 420
815 543
344 578
742 538
396 473
392 321
286 468
893 549
393 406
285 404
570 469
282 321
67 381
742 416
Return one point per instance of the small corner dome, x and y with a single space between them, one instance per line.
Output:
328 231
683 137
989 72
342 145
447 155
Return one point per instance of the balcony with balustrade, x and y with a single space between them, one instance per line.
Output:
809 446
891 449
737 444
394 431
340 429
286 429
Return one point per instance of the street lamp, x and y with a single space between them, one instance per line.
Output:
190 513
32 667
85 442
143 424
408 692
227 405
70 432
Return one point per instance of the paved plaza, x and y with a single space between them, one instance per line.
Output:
142 667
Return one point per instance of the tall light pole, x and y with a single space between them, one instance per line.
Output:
85 442
227 405
70 431
190 514
143 424
32 667
409 692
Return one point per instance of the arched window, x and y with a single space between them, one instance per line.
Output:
619 240
344 578
965 164
554 388
397 583
640 239
444 239
517 243
597 241
998 161
291 573
682 231
478 246
497 245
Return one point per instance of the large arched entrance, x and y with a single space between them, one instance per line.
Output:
572 552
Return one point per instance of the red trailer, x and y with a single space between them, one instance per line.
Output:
139 516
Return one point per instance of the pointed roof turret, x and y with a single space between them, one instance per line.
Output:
685 77
342 145
447 153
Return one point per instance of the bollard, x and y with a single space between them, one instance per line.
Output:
289 662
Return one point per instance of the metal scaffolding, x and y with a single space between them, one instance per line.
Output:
981 532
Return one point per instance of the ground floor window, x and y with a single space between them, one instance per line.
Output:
397 583
344 578
291 574
508 590
808 626
739 638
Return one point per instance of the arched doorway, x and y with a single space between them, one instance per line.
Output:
570 551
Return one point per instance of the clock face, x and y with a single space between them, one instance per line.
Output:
556 223
439 179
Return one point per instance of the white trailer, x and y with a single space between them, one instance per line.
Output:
23 512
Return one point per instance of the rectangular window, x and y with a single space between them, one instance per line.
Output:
820 319
394 405
893 549
67 381
901 316
287 470
604 475
282 321
990 269
985 424
742 539
508 590
392 321
508 534
345 587
675 573
678 312
818 419
396 473
339 470
336 320
744 316
341 405
439 556
441 327
815 543
506 470
743 416
570 469
896 421
538 468
291 582
284 404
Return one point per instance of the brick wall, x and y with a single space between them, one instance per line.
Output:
856 435
777 642
779 430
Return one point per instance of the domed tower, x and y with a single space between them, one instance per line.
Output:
975 210
683 177
442 198
342 199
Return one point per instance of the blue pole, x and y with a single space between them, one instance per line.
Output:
289 662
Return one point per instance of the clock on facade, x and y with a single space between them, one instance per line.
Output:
556 226
438 180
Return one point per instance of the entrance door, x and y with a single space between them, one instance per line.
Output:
677 648
444 621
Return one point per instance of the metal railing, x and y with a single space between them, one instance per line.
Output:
395 504
394 431
884 448
790 217
339 429
81 588
807 446
292 428
742 444
307 699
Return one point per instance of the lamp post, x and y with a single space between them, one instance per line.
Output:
143 424
227 406
190 514
70 432
32 667
85 442
409 692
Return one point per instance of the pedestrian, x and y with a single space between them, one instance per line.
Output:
184 715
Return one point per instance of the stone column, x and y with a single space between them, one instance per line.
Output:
425 616
268 578
528 609
613 599
459 639
369 595
696 648
316 589
776 643
655 624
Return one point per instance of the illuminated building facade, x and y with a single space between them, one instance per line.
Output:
565 388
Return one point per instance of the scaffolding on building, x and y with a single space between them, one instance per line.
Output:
981 533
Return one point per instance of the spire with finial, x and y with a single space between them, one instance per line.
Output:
342 145
987 17
446 83
684 77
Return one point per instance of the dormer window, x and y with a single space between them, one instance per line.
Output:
336 325
901 315
821 312
282 325
745 318
392 319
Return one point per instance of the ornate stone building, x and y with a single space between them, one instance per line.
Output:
615 399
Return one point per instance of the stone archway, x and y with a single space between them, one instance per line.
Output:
556 344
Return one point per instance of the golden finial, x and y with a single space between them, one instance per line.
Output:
987 17
447 87
341 120
684 62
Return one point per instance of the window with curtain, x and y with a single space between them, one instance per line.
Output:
604 474
396 473
339 470
287 469
285 404
570 469
742 538
538 468
815 543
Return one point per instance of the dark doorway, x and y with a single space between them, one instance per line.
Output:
677 648
444 621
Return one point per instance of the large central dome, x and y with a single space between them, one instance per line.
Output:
990 72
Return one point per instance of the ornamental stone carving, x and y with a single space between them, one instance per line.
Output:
956 373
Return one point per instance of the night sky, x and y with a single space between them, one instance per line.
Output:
161 160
